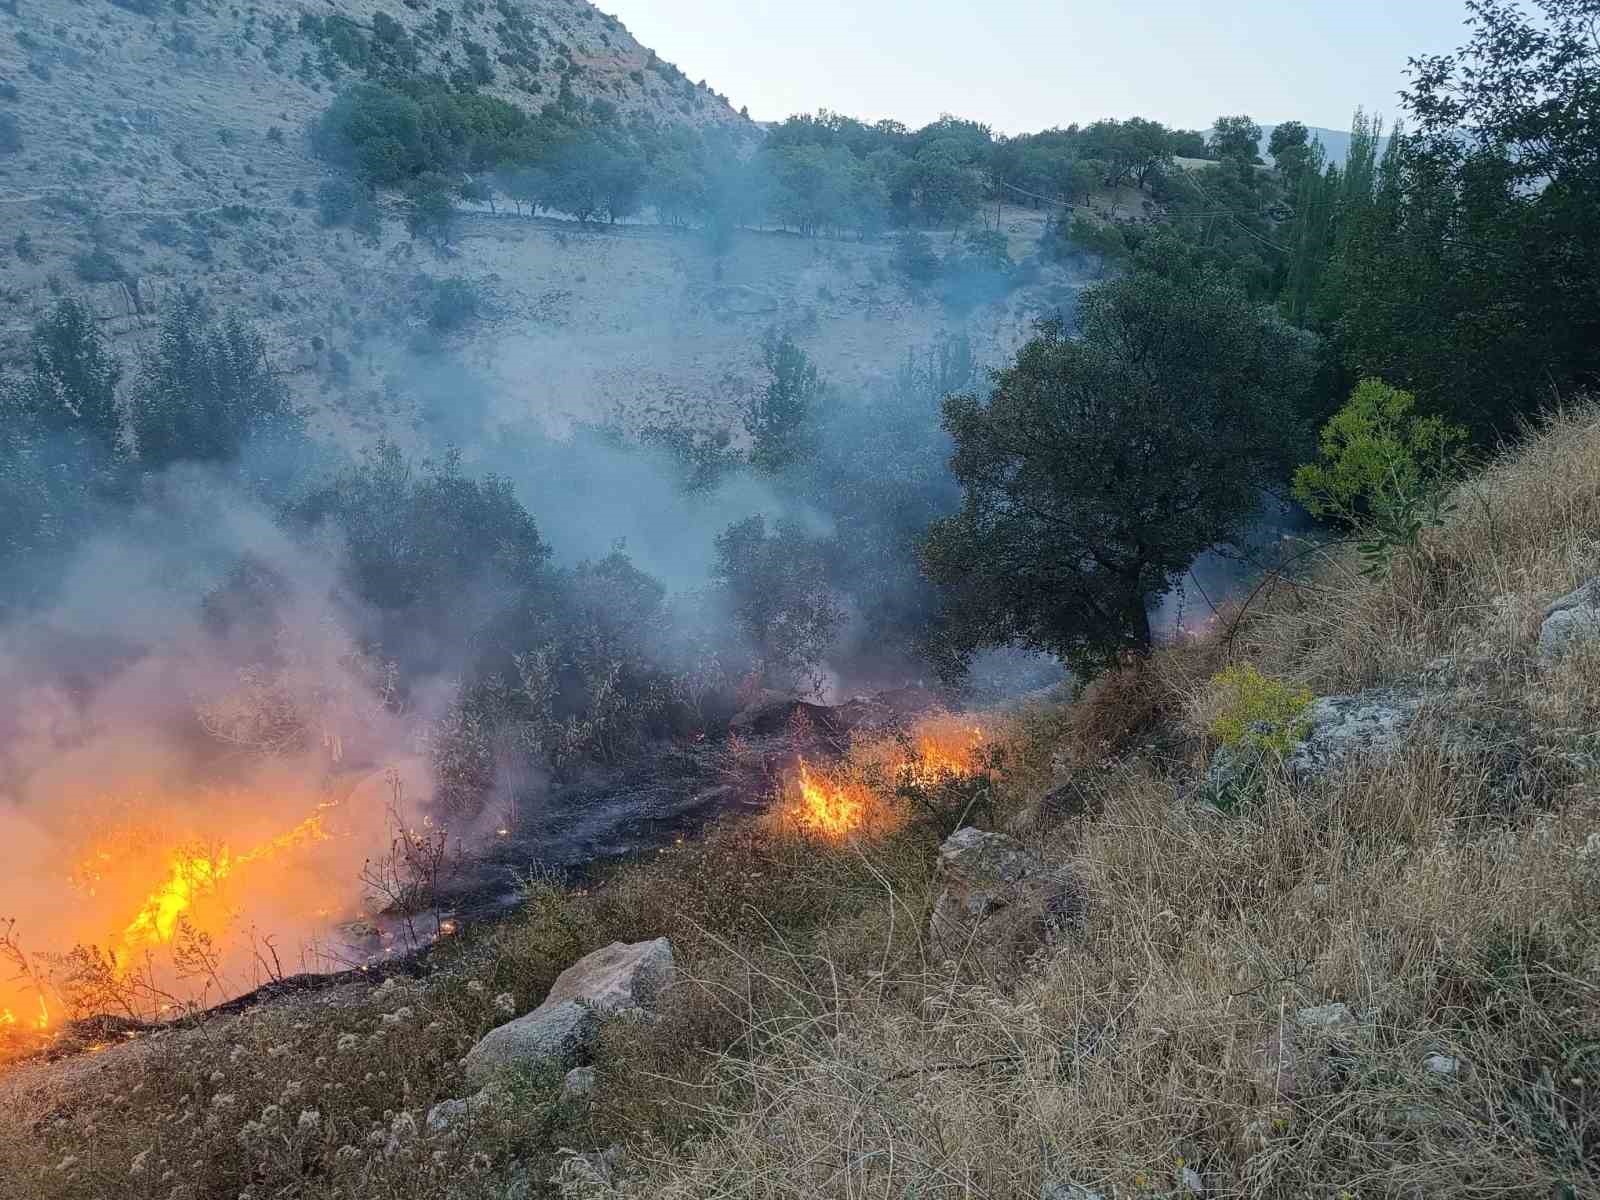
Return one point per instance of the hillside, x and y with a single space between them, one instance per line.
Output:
171 150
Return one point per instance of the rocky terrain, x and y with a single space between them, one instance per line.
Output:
168 149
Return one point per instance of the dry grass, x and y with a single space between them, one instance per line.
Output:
1444 895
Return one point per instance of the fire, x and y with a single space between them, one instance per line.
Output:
193 874
836 802
830 807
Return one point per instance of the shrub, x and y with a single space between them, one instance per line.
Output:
336 199
99 266
1259 712
1383 470
915 258
10 134
453 304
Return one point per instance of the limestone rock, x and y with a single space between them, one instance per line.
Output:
997 898
578 1085
609 981
1573 619
1373 722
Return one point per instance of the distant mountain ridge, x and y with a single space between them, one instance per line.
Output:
1335 141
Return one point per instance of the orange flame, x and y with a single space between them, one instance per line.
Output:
836 803
193 874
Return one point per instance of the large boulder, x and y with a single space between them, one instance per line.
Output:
619 978
1339 727
997 898
1570 621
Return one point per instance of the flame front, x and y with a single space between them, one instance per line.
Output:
836 802
828 806
192 875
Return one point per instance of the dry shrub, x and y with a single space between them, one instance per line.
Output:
1114 712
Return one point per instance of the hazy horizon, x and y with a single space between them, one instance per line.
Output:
1022 67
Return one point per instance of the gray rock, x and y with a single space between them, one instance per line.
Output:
1190 1183
1571 620
1446 1066
1328 1017
616 979
559 1032
449 1114
997 897
578 1085
1373 722
1067 1191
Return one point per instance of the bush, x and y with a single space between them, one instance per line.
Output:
1383 470
99 266
453 304
10 134
336 200
915 258
1258 712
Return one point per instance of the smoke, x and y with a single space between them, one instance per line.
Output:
141 724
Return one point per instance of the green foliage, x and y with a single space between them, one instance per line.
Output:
453 304
915 258
1101 464
71 384
10 134
99 265
1236 140
1290 148
429 211
1258 712
775 584
782 418
1383 470
207 392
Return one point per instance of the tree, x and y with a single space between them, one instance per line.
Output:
207 392
776 586
71 384
782 419
1290 148
430 210
1473 277
1101 464
1237 140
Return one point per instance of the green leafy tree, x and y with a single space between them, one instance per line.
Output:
1101 464
775 583
1236 140
1290 147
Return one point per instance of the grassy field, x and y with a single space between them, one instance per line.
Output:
1446 895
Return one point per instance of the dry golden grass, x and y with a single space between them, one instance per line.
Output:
1449 896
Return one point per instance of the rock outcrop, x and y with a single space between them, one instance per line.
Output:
1570 621
997 899
1372 722
617 979
1297 1058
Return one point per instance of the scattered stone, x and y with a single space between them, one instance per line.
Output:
1446 1066
578 1085
1372 722
1296 1059
997 898
448 1114
1190 1183
1067 1191
1571 620
597 1166
616 979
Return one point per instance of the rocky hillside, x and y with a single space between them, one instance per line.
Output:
165 145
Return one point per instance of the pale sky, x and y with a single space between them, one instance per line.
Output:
1023 65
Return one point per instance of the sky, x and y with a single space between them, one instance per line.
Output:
1023 65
